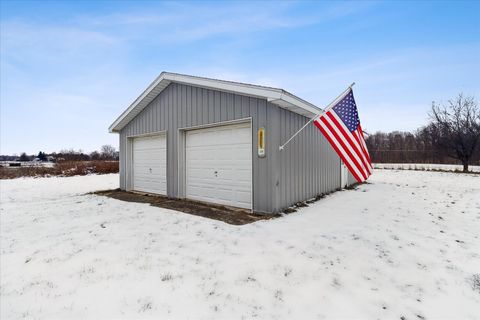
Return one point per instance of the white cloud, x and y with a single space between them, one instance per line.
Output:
18 36
178 22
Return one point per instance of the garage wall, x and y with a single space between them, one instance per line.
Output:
351 179
307 167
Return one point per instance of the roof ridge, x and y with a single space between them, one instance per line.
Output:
223 80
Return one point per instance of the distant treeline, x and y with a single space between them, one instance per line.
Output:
451 136
407 147
107 152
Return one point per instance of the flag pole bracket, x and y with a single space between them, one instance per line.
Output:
330 105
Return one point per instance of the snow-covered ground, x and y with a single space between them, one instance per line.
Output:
424 166
405 245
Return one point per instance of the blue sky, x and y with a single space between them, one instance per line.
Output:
68 69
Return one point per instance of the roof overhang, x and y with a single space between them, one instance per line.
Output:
276 96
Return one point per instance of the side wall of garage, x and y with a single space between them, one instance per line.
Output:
307 167
351 179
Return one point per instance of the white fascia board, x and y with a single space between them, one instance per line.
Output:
310 108
157 81
221 85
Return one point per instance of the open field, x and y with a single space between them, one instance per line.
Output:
425 167
62 168
404 245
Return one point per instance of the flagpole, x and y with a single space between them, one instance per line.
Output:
328 107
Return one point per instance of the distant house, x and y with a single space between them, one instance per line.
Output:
218 141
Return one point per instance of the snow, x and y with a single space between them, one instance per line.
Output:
424 166
405 244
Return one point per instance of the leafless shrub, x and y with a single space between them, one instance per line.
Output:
167 277
475 282
61 168
17 172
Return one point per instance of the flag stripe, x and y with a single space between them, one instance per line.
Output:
364 144
349 156
341 152
340 125
345 159
362 149
345 144
351 142
340 142
357 138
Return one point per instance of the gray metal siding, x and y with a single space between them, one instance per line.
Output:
307 167
351 179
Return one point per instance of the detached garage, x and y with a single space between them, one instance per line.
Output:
218 141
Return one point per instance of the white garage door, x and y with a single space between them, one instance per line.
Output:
219 165
150 164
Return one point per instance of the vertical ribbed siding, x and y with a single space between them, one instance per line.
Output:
351 179
306 168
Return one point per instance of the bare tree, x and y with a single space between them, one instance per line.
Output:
108 152
24 157
95 155
456 128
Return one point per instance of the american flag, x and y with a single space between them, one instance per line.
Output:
341 126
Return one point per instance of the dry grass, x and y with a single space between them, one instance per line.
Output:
64 168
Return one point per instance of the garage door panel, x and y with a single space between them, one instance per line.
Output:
201 193
156 155
149 164
200 173
243 197
159 164
149 177
219 165
200 182
224 195
233 174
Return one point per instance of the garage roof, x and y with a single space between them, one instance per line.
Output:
276 96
